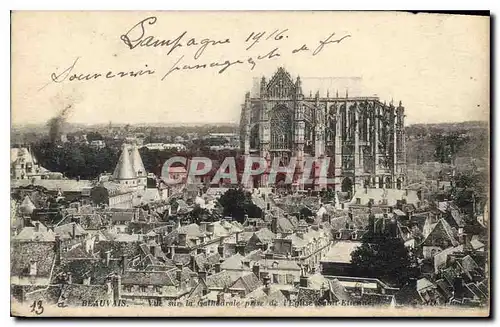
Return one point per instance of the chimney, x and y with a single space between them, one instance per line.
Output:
220 250
304 281
267 284
73 235
237 237
117 287
210 228
192 262
124 263
240 248
256 270
202 275
182 239
37 226
412 283
108 258
57 249
203 226
458 288
217 267
406 192
274 225
178 273
171 251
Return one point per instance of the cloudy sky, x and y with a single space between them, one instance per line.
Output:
437 65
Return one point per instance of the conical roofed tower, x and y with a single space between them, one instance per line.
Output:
124 171
138 166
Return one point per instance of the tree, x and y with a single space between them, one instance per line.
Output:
384 257
238 203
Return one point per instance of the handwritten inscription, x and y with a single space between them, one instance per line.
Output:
265 45
152 41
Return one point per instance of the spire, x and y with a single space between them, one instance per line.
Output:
346 93
124 169
337 93
137 163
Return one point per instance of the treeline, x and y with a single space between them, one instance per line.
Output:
76 160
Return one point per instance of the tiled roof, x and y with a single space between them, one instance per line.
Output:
279 264
24 253
65 185
441 258
222 279
341 252
31 234
442 230
162 278
66 230
250 282
308 296
265 235
379 194
424 283
338 290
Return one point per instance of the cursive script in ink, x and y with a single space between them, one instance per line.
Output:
136 37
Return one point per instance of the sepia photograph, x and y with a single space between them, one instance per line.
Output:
250 164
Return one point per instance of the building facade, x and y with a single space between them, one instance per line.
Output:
363 137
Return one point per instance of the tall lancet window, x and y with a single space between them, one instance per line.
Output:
281 128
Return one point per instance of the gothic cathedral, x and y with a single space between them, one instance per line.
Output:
363 137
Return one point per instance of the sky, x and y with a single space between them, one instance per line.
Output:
437 65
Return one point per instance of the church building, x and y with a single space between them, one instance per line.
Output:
363 137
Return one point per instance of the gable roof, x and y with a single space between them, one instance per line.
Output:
441 230
31 234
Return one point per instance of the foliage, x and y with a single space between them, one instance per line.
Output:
237 203
384 257
76 160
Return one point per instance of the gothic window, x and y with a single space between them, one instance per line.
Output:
281 127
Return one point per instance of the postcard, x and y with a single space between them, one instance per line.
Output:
273 163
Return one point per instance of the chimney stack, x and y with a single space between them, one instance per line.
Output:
108 258
256 270
267 284
117 287
240 248
57 249
124 263
73 236
202 275
274 225
37 226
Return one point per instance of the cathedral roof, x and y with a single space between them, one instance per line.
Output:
124 168
137 163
